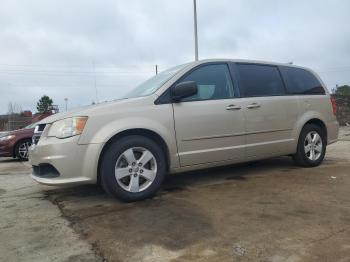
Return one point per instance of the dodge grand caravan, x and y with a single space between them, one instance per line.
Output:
198 115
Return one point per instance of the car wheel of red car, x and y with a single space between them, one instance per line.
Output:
21 151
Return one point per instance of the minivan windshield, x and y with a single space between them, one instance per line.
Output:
153 84
33 125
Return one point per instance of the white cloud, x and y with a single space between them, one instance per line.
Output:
53 44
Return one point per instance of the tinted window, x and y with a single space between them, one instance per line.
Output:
213 81
260 80
300 81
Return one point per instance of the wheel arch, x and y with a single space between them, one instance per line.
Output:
320 123
300 157
16 144
135 131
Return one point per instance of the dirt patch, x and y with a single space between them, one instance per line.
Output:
236 178
255 212
169 223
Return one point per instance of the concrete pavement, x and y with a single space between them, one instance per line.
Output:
31 227
263 211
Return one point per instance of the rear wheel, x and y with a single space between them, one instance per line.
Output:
133 168
21 150
311 146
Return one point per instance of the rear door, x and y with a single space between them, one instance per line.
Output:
270 113
210 125
311 93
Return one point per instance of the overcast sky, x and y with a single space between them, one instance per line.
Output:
52 47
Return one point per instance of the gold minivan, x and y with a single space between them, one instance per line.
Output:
197 115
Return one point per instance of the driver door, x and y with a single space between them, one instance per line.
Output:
210 125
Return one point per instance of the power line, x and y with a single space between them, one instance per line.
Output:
333 70
123 67
84 66
57 73
122 72
61 71
80 65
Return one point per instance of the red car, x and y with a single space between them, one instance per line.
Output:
16 143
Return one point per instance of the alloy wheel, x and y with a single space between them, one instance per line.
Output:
313 146
135 169
23 150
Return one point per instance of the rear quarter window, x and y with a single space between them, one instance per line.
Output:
301 81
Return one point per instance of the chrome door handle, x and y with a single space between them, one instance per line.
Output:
233 107
253 105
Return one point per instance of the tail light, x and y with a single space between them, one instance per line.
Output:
334 105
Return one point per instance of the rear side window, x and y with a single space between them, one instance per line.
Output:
260 80
301 81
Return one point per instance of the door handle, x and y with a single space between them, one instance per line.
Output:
233 107
253 105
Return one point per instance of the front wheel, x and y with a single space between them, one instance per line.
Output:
311 146
21 150
133 168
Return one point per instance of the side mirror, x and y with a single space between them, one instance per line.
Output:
184 89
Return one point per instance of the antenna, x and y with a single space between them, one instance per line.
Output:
195 30
96 91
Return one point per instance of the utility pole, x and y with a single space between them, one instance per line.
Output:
195 30
156 69
66 101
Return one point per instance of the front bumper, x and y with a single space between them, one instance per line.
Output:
74 163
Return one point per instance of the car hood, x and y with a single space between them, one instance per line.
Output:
95 109
22 131
2 134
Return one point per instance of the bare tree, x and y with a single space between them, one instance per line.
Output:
14 114
14 108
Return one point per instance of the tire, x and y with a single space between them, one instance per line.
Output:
124 174
21 149
312 145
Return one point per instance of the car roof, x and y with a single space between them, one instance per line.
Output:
247 61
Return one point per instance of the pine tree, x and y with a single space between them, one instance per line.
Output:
43 104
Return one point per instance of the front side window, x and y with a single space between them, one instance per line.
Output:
301 81
213 81
259 80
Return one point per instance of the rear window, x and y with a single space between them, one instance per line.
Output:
260 80
301 81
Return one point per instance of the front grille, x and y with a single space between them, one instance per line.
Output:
37 133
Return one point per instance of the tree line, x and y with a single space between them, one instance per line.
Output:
45 102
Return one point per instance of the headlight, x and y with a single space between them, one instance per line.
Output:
67 127
5 138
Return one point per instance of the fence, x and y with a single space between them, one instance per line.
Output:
13 122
